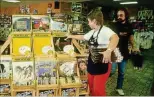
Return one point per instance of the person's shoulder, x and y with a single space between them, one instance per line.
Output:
105 27
91 31
128 23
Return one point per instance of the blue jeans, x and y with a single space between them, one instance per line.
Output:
121 70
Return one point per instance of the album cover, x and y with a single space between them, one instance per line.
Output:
40 23
23 73
42 43
77 7
5 88
58 26
75 28
5 67
46 72
60 43
67 68
21 23
21 44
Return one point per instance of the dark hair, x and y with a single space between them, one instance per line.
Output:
96 14
125 11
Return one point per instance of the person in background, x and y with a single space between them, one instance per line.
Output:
99 65
125 32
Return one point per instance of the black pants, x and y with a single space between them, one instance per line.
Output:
137 59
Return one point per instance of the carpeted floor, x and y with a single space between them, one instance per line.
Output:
136 82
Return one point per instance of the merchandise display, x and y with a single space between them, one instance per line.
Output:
5 75
77 7
69 49
63 47
46 71
143 39
69 92
69 76
75 28
84 90
24 93
23 78
42 63
47 93
58 25
5 67
21 23
143 28
5 89
40 23
29 93
23 72
45 48
24 46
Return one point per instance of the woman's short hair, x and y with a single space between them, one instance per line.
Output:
97 15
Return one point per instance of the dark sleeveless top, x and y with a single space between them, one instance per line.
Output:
95 65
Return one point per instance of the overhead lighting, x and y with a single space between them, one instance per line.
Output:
116 0
129 2
13 1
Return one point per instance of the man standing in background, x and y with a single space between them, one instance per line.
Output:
125 33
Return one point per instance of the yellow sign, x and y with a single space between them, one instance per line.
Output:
42 43
21 44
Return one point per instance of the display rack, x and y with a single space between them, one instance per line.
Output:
81 49
38 49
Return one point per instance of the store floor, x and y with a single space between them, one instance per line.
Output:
136 82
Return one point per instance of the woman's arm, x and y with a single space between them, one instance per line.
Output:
113 42
112 45
78 37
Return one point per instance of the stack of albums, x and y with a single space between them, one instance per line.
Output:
5 88
47 93
24 94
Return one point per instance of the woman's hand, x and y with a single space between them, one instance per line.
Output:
68 36
106 56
